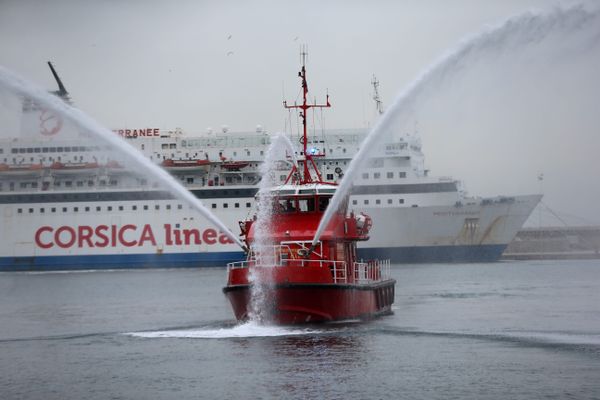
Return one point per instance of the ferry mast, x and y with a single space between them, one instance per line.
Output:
308 158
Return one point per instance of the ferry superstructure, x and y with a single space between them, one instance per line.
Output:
68 203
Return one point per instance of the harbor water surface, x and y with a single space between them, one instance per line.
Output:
518 330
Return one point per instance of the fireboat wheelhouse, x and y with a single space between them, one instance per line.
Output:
301 281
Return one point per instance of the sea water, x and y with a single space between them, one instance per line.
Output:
518 330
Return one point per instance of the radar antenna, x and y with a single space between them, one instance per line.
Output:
378 102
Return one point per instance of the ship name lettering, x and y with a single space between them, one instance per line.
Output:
134 133
129 235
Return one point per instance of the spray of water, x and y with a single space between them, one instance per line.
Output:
263 246
522 30
19 86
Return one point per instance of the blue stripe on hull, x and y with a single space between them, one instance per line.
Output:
435 254
117 261
481 253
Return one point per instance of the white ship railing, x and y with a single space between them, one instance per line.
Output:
362 272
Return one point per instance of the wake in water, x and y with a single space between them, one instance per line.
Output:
250 329
528 29
19 86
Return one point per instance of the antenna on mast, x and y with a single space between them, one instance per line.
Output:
378 102
308 155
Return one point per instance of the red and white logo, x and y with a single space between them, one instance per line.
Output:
50 124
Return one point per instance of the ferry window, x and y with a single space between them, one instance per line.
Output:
282 177
14 151
19 210
172 146
390 175
235 153
42 210
52 149
213 205
157 207
237 205
344 150
306 205
262 153
401 201
389 201
323 202
354 202
164 146
23 185
59 149
120 208
113 182
168 206
68 183
377 175
98 208
248 152
30 210
366 202
30 150
79 184
109 208
53 209
402 174
75 209
365 175
190 180
146 207
248 205
44 149
179 206
64 209
329 177
90 183
67 149
225 205
378 201
36 150
87 209
102 182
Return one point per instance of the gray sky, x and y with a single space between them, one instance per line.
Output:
195 64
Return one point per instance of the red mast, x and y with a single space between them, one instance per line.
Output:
308 158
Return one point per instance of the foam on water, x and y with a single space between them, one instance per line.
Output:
21 87
247 330
526 29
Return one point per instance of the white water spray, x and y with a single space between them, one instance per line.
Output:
522 30
263 246
23 88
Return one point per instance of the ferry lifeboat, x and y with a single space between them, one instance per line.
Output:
289 277
21 170
234 165
82 168
182 166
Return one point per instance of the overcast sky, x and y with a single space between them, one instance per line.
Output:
199 64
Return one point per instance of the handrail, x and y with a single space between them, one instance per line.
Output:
362 273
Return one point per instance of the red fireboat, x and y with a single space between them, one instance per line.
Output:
301 282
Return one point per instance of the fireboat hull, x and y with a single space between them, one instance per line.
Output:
302 303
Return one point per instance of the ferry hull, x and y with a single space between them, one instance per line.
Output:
301 303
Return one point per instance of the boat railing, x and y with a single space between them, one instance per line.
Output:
371 271
362 272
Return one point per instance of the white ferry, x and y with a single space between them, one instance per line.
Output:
67 203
